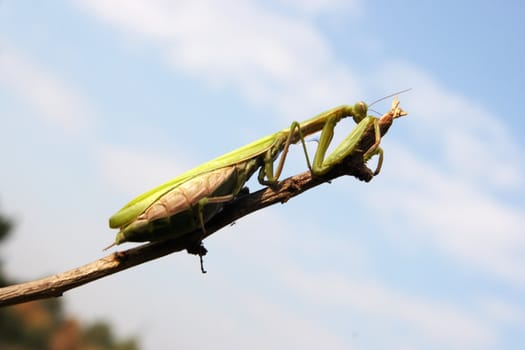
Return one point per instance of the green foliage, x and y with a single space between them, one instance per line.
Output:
100 336
5 227
30 325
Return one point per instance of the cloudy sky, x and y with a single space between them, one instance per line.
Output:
102 100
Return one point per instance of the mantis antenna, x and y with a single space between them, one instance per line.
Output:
388 96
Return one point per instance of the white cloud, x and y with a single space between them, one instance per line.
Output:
464 220
313 7
215 305
135 171
440 322
473 143
428 320
448 180
287 329
501 311
50 97
271 59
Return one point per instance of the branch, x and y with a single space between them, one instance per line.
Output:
56 285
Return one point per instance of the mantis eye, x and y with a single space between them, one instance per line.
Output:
360 109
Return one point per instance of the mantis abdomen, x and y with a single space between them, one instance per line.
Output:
184 208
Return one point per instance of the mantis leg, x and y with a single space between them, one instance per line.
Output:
378 151
267 169
199 208
322 163
375 149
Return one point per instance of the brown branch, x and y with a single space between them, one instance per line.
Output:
56 285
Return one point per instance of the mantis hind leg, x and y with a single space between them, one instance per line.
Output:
203 202
199 249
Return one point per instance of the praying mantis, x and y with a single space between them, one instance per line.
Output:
188 201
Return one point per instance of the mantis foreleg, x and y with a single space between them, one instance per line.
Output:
323 164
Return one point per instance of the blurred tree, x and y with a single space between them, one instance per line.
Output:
5 227
41 325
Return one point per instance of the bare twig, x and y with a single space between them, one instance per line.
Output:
56 285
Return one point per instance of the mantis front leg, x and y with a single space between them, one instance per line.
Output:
323 164
395 112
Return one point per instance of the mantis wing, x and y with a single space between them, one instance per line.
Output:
135 207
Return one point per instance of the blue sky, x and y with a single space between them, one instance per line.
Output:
102 100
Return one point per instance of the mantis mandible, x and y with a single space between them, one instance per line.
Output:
188 201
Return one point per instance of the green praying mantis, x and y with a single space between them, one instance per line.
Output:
190 200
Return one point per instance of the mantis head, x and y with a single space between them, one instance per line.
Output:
395 110
360 109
